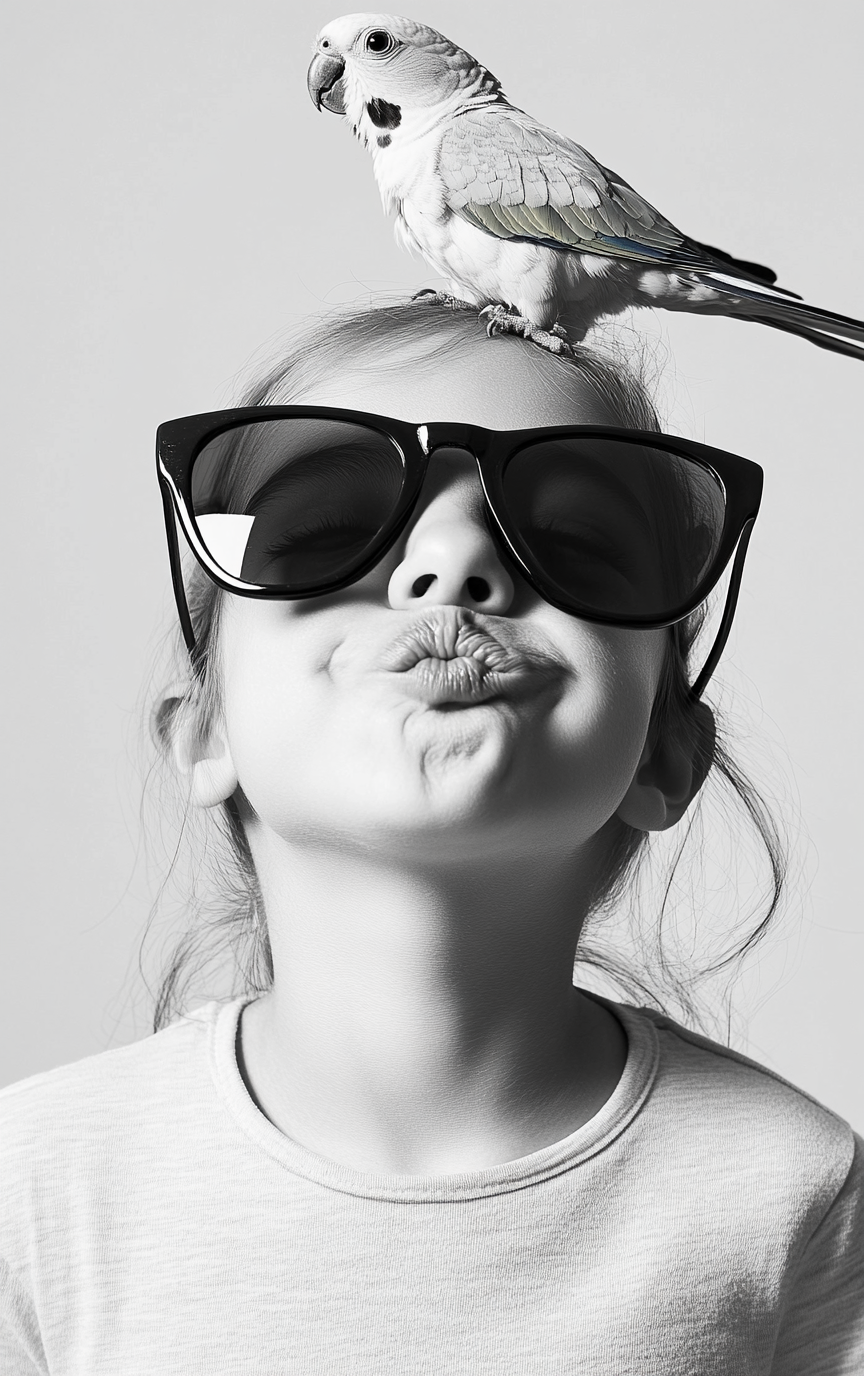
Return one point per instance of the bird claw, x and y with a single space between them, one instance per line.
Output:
503 321
442 298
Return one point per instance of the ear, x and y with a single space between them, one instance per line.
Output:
203 758
669 775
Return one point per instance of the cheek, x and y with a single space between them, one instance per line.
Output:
626 667
299 732
602 725
270 696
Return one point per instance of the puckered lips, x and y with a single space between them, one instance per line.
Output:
448 657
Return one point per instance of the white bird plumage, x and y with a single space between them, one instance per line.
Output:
520 221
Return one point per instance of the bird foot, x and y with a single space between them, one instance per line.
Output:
442 298
502 321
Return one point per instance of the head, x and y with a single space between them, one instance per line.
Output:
380 69
287 721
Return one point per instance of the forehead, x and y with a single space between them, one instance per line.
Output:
348 26
498 384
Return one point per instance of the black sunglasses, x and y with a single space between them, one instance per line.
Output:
623 527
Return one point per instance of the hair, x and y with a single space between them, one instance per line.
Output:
230 919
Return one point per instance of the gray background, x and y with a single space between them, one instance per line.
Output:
174 203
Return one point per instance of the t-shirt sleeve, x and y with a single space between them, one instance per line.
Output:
21 1352
822 1333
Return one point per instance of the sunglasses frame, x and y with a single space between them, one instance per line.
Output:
179 442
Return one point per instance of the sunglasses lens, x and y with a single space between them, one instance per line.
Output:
294 502
619 527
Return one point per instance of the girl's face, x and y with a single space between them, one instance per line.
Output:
331 743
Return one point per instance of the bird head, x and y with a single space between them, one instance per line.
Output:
376 69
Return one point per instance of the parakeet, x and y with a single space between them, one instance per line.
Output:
519 220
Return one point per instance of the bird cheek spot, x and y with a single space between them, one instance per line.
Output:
383 140
384 115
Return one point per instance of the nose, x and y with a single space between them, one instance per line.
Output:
449 556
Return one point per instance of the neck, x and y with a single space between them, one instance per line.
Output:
423 1020
418 122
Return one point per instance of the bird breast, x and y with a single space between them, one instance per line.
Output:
479 267
404 164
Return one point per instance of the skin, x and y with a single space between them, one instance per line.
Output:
425 872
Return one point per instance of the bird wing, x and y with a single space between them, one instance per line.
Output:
514 178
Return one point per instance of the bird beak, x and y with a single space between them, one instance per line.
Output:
323 81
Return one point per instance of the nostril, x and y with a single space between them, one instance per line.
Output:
422 584
478 589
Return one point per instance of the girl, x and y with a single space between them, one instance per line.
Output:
440 684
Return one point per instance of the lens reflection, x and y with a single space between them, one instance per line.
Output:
294 502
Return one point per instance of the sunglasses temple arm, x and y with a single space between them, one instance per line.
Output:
176 572
719 645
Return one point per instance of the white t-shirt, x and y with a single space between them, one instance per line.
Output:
153 1222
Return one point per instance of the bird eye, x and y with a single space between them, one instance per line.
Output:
379 41
325 42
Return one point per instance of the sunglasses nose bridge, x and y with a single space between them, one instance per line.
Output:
443 434
473 439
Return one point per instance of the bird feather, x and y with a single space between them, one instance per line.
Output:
574 199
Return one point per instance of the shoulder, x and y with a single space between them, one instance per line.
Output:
55 1116
499 120
505 134
783 1139
82 1141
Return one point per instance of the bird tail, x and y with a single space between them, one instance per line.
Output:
753 271
770 306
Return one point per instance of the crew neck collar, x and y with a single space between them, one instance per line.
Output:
613 1118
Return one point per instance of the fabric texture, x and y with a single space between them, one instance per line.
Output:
153 1222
